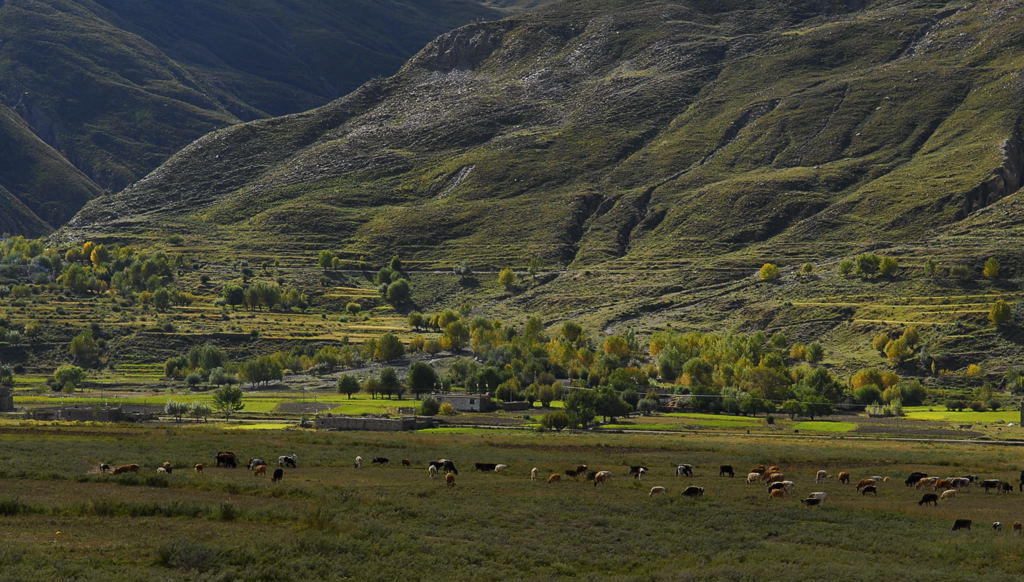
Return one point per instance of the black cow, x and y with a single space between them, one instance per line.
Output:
380 461
637 470
591 475
777 485
1006 488
811 501
227 459
869 489
485 466
990 484
726 470
581 469
572 473
693 491
444 465
278 475
684 469
914 478
961 524
929 498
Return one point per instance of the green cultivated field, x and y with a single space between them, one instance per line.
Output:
61 519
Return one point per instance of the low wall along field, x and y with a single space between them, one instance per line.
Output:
62 519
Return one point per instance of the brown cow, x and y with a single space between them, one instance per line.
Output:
865 483
844 477
1018 527
449 479
259 470
554 478
601 477
773 477
198 467
777 493
943 484
132 468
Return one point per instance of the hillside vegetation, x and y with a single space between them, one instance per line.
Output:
644 159
116 86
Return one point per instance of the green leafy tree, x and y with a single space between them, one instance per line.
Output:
792 407
325 260
897 351
547 394
228 400
68 377
869 394
399 292
162 299
348 384
233 294
85 350
422 378
429 406
219 377
199 410
815 352
610 404
389 383
176 409
581 406
388 348
555 420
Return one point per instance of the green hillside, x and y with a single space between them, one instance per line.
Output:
117 86
650 156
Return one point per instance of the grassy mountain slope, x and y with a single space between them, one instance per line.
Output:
652 154
117 86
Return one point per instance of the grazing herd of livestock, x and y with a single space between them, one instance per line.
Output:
936 488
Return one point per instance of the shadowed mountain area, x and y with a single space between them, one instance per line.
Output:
117 86
652 154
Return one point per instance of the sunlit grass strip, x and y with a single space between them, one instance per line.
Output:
825 426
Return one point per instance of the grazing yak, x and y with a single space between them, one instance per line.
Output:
500 467
445 465
132 468
358 462
844 477
872 489
990 484
657 490
684 469
811 501
554 478
406 463
929 498
291 461
601 477
198 467
167 466
948 494
817 495
226 459
449 479
278 475
534 473
961 524
380 461
997 525
753 477
726 471
914 478
259 470
581 469
432 471
1018 527
1006 488
776 493
820 476
105 468
637 471
485 466
865 483
255 462
692 491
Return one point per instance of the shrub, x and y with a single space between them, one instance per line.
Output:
867 264
429 406
991 268
977 406
888 266
1000 314
845 267
768 272
446 409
